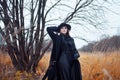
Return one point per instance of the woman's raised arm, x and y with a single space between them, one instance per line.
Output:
51 31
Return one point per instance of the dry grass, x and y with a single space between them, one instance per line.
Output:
6 68
100 66
95 66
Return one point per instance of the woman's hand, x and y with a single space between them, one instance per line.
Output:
52 63
76 56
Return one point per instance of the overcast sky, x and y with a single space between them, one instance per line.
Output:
111 27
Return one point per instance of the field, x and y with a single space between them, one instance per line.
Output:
95 66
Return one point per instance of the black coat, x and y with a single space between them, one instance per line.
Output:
52 71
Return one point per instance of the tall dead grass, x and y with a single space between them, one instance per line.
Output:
6 68
100 66
94 66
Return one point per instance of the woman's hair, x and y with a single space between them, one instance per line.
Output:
68 32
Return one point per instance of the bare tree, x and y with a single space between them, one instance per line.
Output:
25 44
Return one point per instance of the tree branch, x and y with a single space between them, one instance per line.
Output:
51 8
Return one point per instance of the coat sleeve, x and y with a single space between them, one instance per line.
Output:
56 44
51 31
75 52
56 51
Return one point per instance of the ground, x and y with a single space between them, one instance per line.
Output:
94 66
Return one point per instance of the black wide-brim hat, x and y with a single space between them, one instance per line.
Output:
62 25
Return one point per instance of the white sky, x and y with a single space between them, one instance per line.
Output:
111 27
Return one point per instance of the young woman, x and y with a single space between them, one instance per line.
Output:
63 62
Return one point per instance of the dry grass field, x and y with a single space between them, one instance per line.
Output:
95 66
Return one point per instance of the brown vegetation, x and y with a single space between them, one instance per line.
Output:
95 66
100 66
104 45
108 44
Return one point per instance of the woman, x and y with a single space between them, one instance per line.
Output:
63 62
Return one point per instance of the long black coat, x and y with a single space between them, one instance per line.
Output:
53 73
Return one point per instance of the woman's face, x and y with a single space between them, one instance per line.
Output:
63 30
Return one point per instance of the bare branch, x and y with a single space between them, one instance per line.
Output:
51 8
76 9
